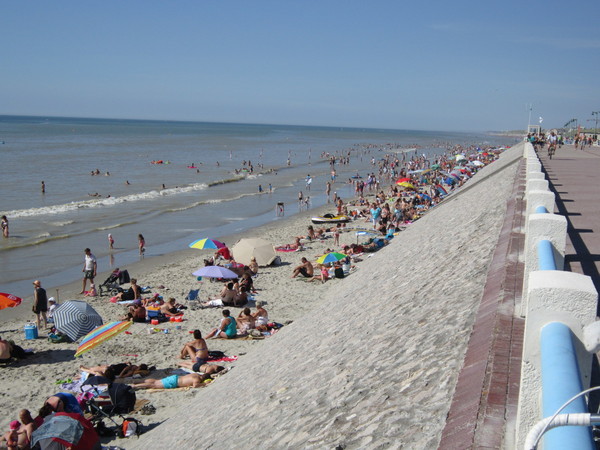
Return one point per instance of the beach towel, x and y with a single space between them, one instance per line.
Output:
223 359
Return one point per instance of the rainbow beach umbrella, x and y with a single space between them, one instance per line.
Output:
206 243
331 257
98 335
406 184
9 300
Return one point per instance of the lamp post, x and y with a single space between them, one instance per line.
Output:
596 113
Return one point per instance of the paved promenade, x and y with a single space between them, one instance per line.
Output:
484 405
574 176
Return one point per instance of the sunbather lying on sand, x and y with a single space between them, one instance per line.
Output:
113 371
173 381
206 368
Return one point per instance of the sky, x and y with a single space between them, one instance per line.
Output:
424 65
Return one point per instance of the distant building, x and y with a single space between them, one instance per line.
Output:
534 129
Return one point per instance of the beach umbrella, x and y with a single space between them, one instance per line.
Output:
215 272
98 335
403 180
245 249
9 301
460 157
435 167
69 430
441 189
331 257
206 243
76 319
406 184
477 163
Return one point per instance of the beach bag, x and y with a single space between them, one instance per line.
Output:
122 397
339 272
130 427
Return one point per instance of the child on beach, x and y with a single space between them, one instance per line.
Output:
12 437
51 308
111 241
92 292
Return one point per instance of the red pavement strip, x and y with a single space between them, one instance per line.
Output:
486 393
487 388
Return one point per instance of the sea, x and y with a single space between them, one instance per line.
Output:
173 182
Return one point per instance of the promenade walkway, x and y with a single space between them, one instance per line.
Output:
574 176
483 410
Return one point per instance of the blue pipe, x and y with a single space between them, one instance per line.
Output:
541 210
546 255
561 381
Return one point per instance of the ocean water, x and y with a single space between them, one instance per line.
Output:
208 191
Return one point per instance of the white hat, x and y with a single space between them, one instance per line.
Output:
51 299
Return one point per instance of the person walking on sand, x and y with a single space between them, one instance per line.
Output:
141 244
40 303
89 268
4 225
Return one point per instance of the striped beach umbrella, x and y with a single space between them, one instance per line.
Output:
101 334
331 257
206 243
76 319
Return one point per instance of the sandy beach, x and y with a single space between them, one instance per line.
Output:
367 361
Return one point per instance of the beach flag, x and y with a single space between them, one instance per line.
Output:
541 120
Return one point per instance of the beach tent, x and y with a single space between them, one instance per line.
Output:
262 250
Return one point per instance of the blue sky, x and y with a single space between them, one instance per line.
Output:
432 65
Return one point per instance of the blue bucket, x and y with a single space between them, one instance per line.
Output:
31 331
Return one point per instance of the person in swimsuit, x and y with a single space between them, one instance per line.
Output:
205 368
12 437
173 381
26 429
5 351
197 349
4 224
227 329
305 269
141 244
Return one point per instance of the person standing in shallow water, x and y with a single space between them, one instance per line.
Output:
141 244
43 187
4 224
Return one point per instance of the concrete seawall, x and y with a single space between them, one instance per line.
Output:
375 363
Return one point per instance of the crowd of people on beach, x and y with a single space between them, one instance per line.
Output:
415 184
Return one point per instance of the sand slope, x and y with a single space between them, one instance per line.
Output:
374 361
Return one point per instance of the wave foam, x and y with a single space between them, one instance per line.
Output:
103 202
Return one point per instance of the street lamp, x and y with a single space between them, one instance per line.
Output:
596 113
